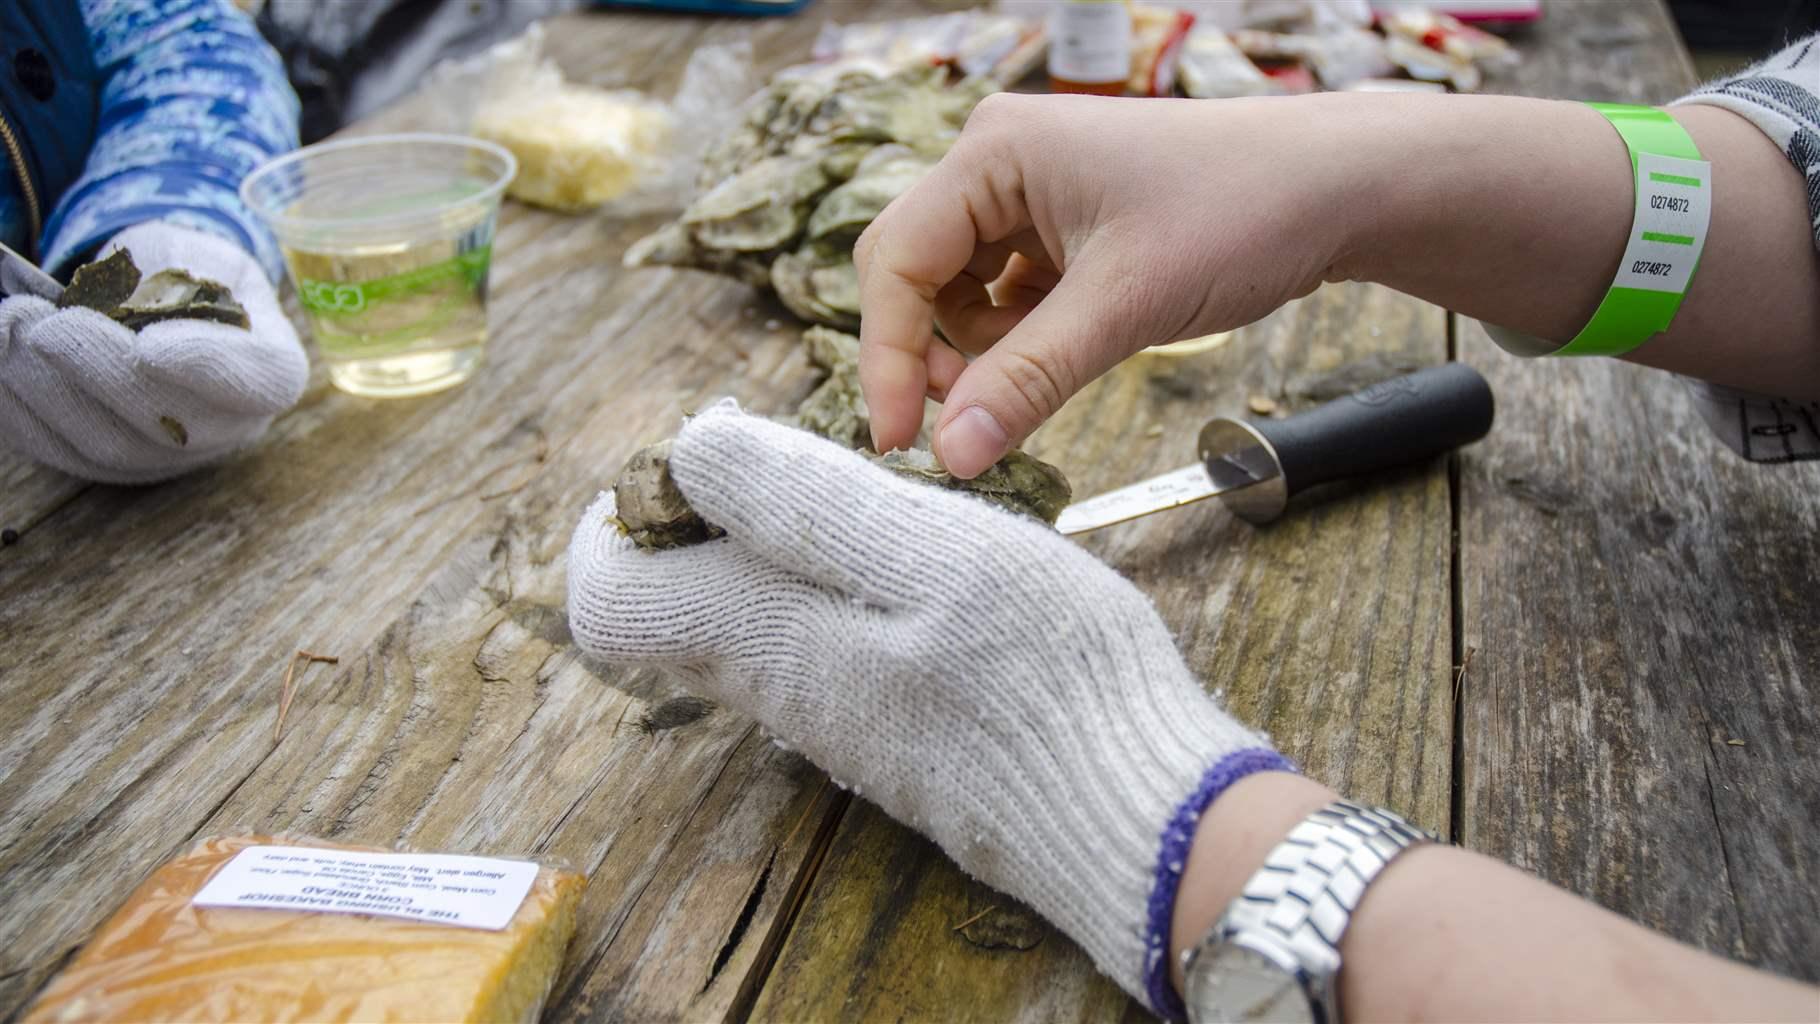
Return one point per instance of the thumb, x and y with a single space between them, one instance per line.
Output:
1077 332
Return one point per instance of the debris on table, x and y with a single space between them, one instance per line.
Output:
1293 50
113 287
993 44
182 948
1263 405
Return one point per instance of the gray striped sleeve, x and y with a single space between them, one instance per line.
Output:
1758 427
1781 96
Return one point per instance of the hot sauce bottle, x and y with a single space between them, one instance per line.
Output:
1090 47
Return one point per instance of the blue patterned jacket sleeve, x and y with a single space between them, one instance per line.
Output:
193 100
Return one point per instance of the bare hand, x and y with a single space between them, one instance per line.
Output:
1064 233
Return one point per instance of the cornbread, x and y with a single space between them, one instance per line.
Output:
161 958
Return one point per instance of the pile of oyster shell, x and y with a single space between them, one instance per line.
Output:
812 161
782 200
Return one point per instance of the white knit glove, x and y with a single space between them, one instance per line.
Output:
972 671
80 392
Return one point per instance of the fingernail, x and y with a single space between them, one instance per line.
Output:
971 442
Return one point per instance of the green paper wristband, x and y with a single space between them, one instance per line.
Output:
1672 188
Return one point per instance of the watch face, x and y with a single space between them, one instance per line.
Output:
1233 982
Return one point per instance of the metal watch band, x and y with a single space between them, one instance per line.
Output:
1303 896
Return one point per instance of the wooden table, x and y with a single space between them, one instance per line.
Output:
1586 645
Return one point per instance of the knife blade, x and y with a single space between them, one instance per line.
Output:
1254 468
20 276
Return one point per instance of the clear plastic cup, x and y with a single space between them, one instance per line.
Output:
388 239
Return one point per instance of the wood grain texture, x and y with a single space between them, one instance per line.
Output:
1641 719
422 541
1331 629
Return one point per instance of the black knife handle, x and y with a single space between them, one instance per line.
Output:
1395 422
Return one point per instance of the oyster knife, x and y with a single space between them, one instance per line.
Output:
20 276
1255 468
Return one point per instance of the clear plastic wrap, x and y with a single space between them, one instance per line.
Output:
164 957
1157 35
1003 47
1211 67
581 147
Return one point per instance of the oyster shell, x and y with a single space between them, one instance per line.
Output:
651 508
113 286
813 160
653 512
762 207
176 295
839 161
886 173
1018 482
819 283
913 107
102 285
672 246
835 409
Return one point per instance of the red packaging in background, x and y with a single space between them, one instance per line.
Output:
1157 34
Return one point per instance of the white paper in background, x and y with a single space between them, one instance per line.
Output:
1674 202
444 888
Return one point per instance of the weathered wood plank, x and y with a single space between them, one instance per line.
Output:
1332 629
29 492
423 542
1638 598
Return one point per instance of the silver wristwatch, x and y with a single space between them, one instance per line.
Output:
1275 955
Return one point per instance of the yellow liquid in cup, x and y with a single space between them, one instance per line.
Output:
398 319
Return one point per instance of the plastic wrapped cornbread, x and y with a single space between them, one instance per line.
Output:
576 147
253 928
579 146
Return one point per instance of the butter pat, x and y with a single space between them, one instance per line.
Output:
164 957
576 147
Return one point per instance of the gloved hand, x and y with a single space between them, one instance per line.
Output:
972 671
86 395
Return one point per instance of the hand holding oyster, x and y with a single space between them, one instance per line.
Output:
114 287
653 511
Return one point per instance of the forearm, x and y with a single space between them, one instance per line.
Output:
1516 212
194 100
1445 934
